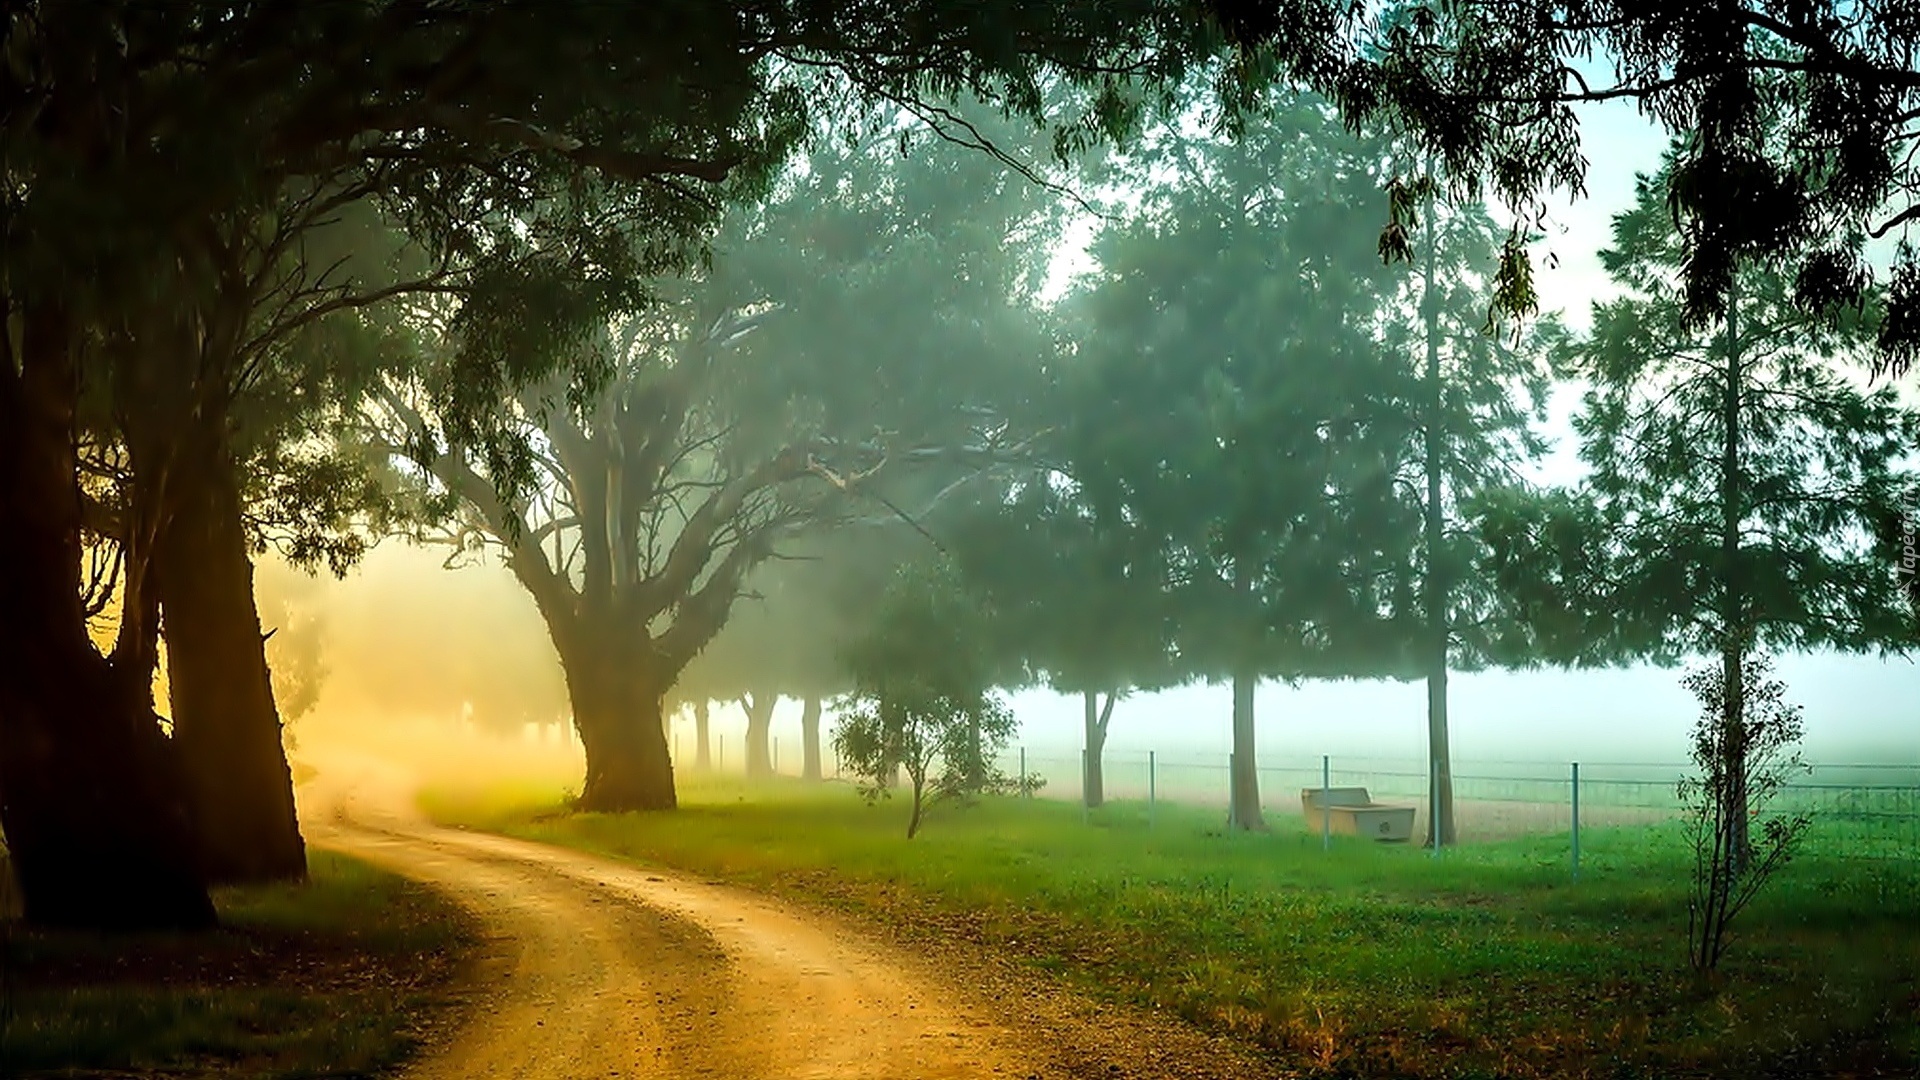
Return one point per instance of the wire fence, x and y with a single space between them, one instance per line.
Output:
1866 811
1859 811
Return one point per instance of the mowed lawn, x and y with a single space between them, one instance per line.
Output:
335 977
1368 961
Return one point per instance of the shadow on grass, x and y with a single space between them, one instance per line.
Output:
333 977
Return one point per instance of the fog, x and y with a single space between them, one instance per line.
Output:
413 648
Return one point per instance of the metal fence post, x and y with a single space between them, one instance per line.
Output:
1150 775
1326 802
1025 792
1576 821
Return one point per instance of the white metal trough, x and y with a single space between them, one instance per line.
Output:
1351 811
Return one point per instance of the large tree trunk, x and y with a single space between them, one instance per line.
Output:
97 828
224 719
1440 830
1093 783
1244 810
759 708
703 750
616 708
810 737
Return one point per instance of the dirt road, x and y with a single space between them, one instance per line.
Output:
603 969
606 970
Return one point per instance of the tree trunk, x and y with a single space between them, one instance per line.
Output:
810 737
759 708
1093 784
1243 812
1440 830
616 708
1733 600
703 750
97 827
919 777
224 720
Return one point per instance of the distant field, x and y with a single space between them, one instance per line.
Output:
1375 961
1860 810
326 979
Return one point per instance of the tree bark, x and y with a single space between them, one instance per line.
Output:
810 737
224 719
703 749
1733 600
1243 813
97 827
759 709
1440 831
1097 716
1243 774
616 708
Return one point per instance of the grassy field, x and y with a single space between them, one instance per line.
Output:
333 978
1372 961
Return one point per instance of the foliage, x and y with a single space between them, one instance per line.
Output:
1736 783
1792 125
923 701
1739 474
1234 409
1479 395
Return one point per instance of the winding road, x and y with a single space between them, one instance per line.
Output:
602 969
597 968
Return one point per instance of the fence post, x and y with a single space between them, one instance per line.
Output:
1326 801
1025 792
1150 775
1576 821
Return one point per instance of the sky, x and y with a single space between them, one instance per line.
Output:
407 638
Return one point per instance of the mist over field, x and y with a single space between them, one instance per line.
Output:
407 640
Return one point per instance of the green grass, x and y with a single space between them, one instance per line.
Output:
331 978
1374 960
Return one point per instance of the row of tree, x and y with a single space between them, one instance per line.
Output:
307 275
247 245
1260 453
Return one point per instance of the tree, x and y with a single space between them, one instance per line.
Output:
1251 421
1738 476
791 624
156 149
923 702
1079 601
1723 805
851 327
120 232
1477 394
